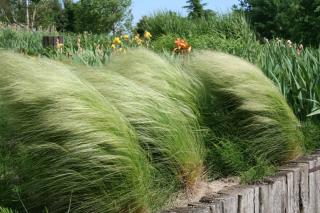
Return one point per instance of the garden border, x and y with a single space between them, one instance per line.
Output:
295 188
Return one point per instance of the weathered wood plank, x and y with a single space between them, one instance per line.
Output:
315 190
246 196
228 200
293 189
304 165
214 207
188 210
256 199
264 199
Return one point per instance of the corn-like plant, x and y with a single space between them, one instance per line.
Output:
295 74
251 106
80 153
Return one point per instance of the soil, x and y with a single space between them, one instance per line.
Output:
203 188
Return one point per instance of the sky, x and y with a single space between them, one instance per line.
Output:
146 7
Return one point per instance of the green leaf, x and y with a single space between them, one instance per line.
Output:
317 112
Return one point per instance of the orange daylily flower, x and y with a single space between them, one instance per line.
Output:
182 46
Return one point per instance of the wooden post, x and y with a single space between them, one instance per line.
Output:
52 41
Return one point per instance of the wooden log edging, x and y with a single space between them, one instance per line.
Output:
295 188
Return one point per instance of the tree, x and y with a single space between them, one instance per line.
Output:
195 8
50 14
100 16
69 15
13 11
209 14
295 19
27 14
264 16
31 13
33 4
124 25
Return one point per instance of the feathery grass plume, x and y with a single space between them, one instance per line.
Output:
155 72
80 152
250 104
173 139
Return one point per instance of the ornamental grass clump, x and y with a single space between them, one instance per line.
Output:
154 72
247 105
127 136
80 153
160 110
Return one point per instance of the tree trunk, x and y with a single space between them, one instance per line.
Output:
33 16
27 14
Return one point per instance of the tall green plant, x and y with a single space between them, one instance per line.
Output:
295 74
79 152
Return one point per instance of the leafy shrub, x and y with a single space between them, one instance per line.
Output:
168 22
163 23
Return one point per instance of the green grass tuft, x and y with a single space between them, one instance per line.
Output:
158 100
79 150
250 104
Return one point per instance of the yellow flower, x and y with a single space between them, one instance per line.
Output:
113 46
147 35
116 40
125 37
59 46
137 39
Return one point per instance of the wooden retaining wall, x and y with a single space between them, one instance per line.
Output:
294 189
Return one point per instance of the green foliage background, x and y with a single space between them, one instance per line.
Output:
295 19
101 16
